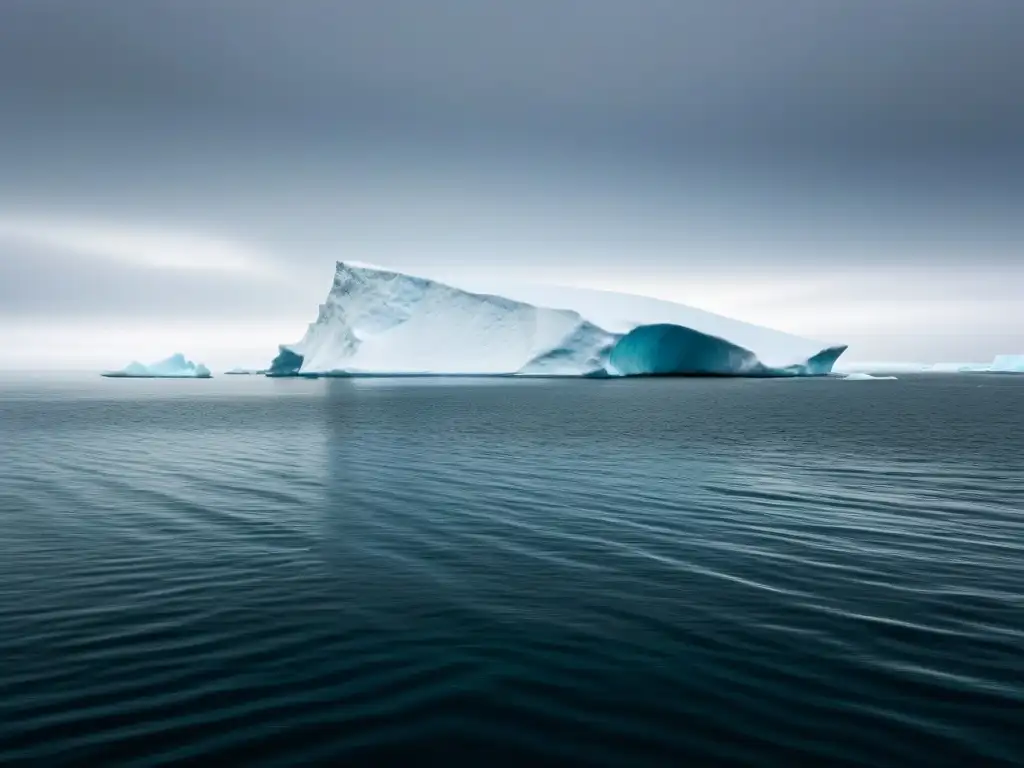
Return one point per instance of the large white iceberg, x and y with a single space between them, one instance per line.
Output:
174 367
380 322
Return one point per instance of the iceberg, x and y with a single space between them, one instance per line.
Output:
1007 364
174 367
379 322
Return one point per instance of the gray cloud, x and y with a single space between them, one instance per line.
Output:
901 72
732 145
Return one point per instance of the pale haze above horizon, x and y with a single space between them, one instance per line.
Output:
182 176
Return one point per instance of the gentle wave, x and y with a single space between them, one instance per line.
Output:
720 572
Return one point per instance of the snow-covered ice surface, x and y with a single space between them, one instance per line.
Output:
867 377
380 322
174 367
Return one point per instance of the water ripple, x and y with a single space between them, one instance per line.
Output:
609 573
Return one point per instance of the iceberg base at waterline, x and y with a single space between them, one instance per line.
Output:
174 367
378 322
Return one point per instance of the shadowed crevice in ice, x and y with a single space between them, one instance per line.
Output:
287 363
672 350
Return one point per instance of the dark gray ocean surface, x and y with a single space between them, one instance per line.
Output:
661 571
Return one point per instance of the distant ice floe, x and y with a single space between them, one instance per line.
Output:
378 322
174 367
999 364
867 377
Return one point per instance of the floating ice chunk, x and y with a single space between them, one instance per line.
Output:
174 367
867 377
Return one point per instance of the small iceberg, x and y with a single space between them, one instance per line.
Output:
174 367
867 377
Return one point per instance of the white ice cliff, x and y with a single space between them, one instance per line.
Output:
174 367
380 322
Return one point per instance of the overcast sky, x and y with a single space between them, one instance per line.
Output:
181 175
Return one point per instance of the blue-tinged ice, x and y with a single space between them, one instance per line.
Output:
174 367
381 322
1008 364
287 363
